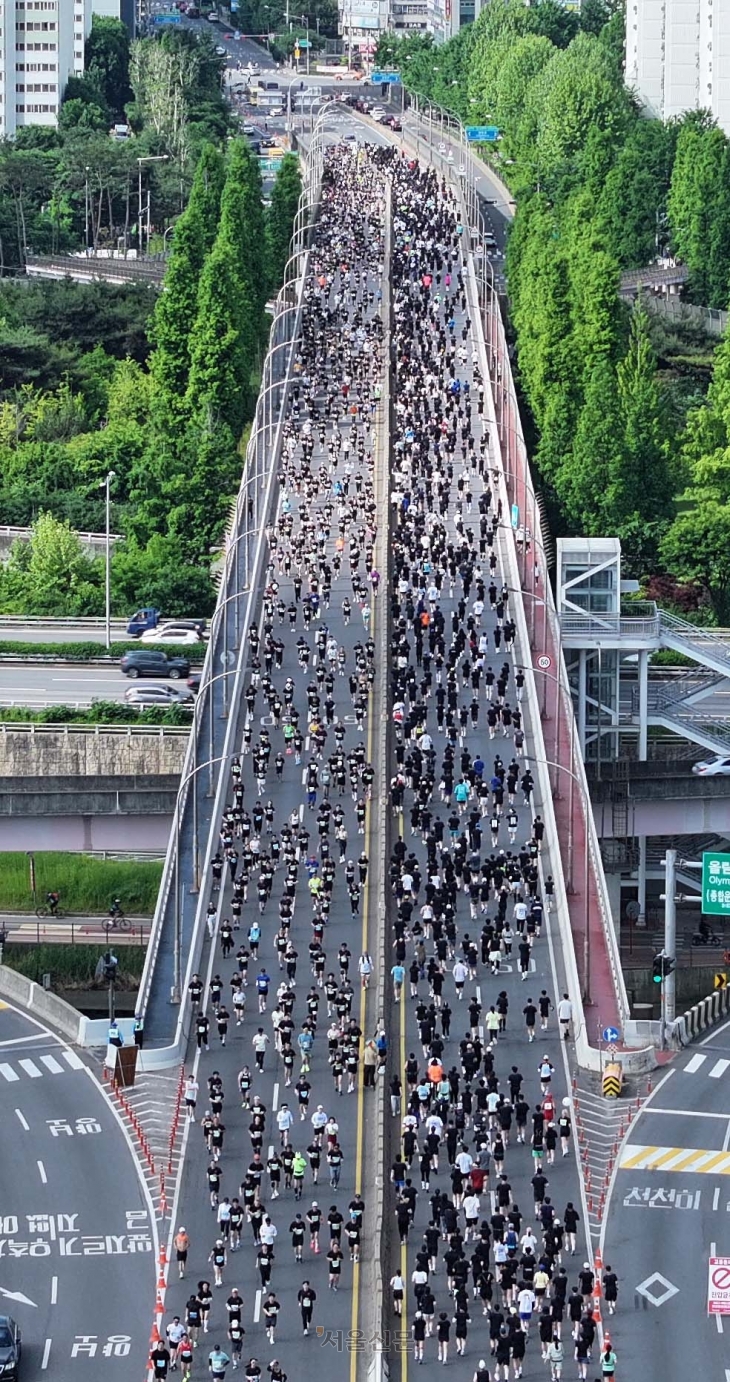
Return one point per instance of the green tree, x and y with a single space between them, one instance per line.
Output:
597 454
280 219
171 327
697 548
51 575
223 346
107 61
696 177
645 486
718 267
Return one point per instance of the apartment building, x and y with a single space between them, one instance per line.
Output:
41 46
678 56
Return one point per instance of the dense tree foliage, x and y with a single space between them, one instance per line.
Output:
169 423
600 189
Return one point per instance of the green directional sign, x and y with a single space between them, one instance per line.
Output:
716 884
270 165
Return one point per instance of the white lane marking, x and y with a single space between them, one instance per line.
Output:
54 1290
23 1041
46 1353
22 1120
42 1172
52 1064
257 1308
30 1068
73 1060
275 1099
694 1064
718 1069
716 1198
8 1073
718 1319
680 1113
726 1138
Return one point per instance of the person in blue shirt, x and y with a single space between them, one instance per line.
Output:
217 1362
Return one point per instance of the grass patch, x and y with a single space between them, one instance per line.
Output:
84 652
86 885
74 966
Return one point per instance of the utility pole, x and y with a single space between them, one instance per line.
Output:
670 933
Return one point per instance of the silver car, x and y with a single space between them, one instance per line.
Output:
158 695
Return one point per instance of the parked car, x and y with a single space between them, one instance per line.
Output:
11 1348
158 695
194 681
713 767
153 662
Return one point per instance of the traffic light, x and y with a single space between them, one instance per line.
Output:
668 965
657 969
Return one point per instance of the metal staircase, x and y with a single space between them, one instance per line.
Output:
710 647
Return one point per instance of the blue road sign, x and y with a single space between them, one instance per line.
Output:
168 18
515 516
611 1035
482 134
383 78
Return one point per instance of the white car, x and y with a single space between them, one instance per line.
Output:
172 633
377 113
715 767
158 695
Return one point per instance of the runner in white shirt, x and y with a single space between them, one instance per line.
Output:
365 966
565 1014
319 1120
471 1214
461 974
284 1122
464 1161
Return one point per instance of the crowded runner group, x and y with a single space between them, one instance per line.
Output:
468 895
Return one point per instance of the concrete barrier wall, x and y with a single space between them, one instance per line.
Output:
63 752
702 1015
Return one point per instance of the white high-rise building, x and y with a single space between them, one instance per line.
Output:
41 46
678 56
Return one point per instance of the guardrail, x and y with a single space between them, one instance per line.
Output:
7 530
120 731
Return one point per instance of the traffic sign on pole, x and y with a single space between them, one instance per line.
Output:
718 1286
720 981
482 134
544 662
611 1035
385 78
716 884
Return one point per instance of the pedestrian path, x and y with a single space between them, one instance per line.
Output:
637 1158
34 1068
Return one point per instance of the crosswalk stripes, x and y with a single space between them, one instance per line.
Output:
697 1061
686 1159
31 1068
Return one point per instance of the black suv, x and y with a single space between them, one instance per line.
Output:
153 662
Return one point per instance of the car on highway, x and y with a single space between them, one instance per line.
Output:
378 114
220 50
212 17
712 767
11 1348
158 695
172 633
153 662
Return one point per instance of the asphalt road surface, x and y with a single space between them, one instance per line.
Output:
40 684
333 1310
61 631
669 1212
77 1242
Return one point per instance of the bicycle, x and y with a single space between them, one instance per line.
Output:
44 912
117 923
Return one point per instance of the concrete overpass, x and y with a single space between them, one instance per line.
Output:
658 798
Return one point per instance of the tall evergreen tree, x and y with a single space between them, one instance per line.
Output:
280 220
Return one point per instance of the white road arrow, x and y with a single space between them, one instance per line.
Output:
19 1297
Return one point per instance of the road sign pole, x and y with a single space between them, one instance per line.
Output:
669 985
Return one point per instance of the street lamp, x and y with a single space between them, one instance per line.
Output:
145 158
105 485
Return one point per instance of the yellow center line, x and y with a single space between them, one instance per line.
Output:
404 1246
359 1144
